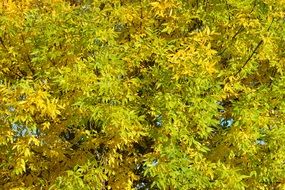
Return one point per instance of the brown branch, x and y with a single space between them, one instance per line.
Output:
12 72
228 9
239 31
29 60
234 36
249 58
254 5
2 43
141 15
270 25
52 61
254 51
23 73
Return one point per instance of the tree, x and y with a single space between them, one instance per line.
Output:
142 94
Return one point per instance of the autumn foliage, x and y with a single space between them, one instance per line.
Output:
142 94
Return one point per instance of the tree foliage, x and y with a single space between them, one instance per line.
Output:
142 94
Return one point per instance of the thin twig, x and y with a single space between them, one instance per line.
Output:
254 51
2 43
248 59
270 25
141 14
234 36
239 31
254 5
228 7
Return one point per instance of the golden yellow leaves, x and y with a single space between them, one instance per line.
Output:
23 151
164 8
244 20
143 69
16 7
25 105
46 125
20 166
128 14
9 6
34 141
186 62
180 63
39 102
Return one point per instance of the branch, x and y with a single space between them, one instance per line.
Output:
141 15
239 30
249 58
270 25
228 8
234 36
2 43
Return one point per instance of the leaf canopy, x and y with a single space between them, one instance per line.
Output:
142 94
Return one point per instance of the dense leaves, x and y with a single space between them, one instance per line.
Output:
142 94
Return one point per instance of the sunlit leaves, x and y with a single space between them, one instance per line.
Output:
142 94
